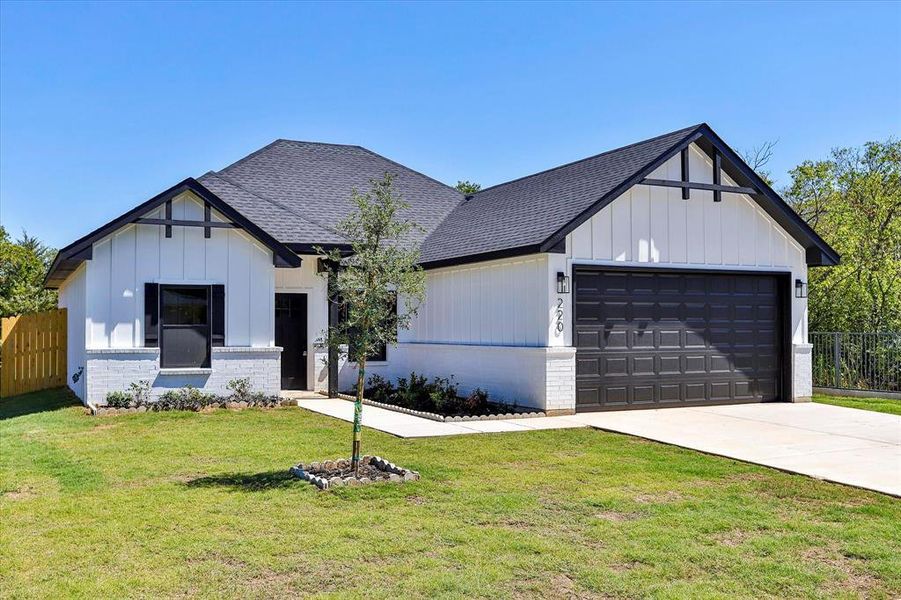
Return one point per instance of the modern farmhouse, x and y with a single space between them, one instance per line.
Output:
664 273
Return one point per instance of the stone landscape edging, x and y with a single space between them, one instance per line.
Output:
395 474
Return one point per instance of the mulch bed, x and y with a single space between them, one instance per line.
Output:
336 473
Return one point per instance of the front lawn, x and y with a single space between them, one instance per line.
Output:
885 405
177 504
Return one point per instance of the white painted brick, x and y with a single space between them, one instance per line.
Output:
114 370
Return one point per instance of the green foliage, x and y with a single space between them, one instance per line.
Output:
241 389
418 393
118 399
383 266
383 269
467 187
853 200
23 264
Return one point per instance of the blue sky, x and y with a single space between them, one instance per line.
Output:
104 105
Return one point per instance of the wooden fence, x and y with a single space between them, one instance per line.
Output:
33 352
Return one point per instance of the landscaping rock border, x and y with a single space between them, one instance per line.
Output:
325 475
443 418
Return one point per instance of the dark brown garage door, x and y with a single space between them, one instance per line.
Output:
656 339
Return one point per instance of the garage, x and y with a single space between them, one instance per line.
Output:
659 338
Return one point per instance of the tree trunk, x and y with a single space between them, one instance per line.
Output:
358 419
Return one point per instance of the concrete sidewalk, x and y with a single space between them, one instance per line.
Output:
410 426
844 445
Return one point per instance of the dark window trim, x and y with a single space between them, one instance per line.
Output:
163 327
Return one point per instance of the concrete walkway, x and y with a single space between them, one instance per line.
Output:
845 445
410 426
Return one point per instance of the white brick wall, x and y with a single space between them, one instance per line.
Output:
532 376
109 370
802 372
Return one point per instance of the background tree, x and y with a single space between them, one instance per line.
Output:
23 264
467 187
383 268
853 200
758 157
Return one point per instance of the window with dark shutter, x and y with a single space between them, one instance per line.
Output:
217 307
151 315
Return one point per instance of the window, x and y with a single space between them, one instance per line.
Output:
184 321
381 353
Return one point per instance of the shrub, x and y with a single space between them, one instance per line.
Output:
240 389
476 403
140 391
380 389
439 395
187 398
118 399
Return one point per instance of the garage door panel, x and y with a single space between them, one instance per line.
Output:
672 339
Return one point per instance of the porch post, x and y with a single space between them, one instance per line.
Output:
332 351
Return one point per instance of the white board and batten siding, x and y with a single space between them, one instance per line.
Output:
72 297
654 226
495 303
137 254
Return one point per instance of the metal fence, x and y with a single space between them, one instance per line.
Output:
857 361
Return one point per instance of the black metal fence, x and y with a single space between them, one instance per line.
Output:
857 361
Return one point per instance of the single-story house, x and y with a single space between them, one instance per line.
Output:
663 273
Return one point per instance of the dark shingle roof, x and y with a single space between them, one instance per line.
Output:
300 191
526 212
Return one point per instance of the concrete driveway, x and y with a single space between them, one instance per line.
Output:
844 445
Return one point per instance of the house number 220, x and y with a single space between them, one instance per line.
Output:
558 318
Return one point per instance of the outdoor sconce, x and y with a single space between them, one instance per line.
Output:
562 283
800 289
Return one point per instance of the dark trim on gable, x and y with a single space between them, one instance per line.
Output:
69 258
616 192
740 172
768 199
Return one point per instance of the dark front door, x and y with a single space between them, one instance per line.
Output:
648 339
291 335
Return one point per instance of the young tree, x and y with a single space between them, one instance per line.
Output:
382 270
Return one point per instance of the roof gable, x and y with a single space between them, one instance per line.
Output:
535 213
69 258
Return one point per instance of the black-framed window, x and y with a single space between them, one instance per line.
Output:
185 332
185 322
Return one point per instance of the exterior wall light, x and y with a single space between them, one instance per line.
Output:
800 289
562 283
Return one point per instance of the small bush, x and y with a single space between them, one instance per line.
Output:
440 395
379 389
187 398
118 399
240 389
140 391
476 403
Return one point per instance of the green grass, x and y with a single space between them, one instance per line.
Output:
884 405
176 504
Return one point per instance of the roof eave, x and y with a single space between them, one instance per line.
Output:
68 258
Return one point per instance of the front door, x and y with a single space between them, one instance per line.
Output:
291 335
